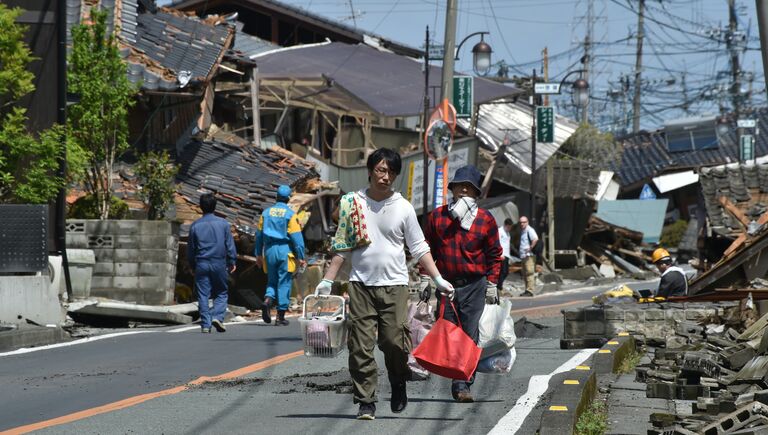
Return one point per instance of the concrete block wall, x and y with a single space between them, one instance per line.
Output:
654 321
135 259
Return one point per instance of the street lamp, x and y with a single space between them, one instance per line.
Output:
481 54
580 95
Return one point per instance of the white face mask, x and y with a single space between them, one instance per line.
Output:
465 210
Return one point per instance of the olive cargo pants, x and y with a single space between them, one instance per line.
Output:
371 309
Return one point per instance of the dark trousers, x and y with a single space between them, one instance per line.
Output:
503 274
469 302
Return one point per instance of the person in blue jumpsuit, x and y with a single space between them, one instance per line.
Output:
211 254
280 244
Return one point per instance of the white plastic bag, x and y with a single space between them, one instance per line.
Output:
498 364
497 329
420 321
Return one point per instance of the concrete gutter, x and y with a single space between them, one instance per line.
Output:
574 390
31 336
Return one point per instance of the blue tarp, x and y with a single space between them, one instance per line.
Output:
644 215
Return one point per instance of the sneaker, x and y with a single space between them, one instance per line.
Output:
527 294
367 411
399 399
218 325
265 315
206 330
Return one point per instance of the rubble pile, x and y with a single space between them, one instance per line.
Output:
721 364
616 247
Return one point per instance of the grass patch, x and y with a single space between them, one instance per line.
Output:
594 420
630 362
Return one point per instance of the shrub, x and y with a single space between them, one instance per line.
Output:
87 207
672 234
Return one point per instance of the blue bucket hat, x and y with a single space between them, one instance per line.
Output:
469 174
284 192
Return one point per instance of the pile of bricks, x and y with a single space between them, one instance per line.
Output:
592 326
719 365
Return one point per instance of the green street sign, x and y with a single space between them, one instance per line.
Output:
545 124
747 147
463 100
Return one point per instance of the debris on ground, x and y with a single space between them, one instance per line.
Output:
720 365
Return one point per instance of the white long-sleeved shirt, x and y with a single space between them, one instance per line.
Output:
505 239
391 225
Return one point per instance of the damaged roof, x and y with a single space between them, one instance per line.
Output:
745 185
499 119
645 154
244 177
391 84
165 49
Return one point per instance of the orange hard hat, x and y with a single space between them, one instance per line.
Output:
659 254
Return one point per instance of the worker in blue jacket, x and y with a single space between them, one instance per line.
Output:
211 254
279 246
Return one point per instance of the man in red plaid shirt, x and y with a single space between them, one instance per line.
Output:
464 240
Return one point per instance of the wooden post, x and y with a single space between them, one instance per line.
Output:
254 82
551 212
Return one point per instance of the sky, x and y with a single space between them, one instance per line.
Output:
684 41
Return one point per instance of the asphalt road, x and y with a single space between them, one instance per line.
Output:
298 395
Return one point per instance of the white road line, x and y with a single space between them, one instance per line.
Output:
189 328
510 423
71 343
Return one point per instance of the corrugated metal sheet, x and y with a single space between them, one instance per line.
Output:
645 154
391 84
248 45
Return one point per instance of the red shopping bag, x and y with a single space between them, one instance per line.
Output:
447 350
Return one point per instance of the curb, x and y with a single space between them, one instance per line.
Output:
572 392
31 337
609 357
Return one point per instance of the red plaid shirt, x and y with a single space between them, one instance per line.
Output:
459 253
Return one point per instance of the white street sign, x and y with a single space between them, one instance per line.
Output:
546 88
746 123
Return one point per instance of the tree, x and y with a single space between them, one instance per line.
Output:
27 164
98 123
590 144
156 174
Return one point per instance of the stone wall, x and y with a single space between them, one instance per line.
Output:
654 321
135 260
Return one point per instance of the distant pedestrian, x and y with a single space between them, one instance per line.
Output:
279 241
505 239
464 241
375 226
211 254
528 241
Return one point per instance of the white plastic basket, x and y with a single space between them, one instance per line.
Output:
323 325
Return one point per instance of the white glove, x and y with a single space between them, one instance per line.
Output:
444 287
491 294
324 288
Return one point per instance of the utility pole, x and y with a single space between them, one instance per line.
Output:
425 119
587 61
450 49
733 25
762 24
61 119
686 105
532 217
550 181
638 68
